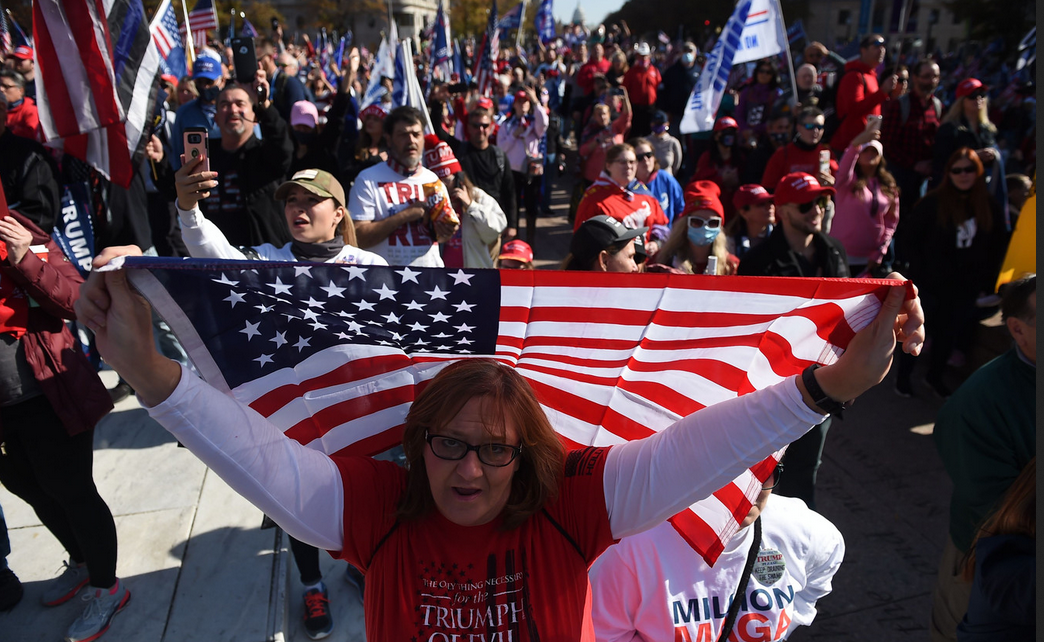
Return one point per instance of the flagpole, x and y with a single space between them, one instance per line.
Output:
521 24
188 32
790 58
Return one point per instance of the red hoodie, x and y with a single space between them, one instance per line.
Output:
858 96
630 208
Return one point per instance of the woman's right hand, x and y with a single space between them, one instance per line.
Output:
121 320
192 185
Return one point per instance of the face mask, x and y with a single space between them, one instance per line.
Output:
209 94
659 129
304 138
780 138
702 236
728 141
688 58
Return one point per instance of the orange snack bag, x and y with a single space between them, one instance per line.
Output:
438 204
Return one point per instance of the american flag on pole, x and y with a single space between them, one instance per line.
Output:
334 355
202 18
485 68
5 34
95 81
168 41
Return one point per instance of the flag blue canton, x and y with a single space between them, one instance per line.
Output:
256 320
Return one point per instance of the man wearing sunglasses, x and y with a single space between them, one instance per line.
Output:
797 246
858 93
803 153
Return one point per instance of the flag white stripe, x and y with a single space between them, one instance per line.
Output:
72 70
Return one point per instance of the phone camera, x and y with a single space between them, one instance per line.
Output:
195 139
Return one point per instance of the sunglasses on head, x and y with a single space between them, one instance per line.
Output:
966 169
804 208
713 223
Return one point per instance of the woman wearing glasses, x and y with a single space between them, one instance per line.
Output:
696 235
490 529
954 240
804 153
966 124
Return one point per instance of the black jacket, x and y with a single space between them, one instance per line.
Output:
29 176
261 166
489 170
775 258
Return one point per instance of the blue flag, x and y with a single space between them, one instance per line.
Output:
545 22
511 19
441 51
248 30
73 231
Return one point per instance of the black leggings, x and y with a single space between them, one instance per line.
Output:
52 472
306 557
527 191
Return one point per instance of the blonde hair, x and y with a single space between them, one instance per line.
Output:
677 247
957 111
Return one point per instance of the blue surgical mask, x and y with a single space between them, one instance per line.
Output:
703 235
688 58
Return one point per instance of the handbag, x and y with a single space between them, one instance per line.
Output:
534 166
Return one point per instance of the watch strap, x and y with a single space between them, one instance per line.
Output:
820 398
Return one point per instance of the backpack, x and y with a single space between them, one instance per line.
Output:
904 109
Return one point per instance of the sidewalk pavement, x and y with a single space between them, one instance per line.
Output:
200 569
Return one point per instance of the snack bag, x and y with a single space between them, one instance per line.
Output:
438 203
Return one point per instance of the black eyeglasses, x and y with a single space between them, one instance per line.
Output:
776 474
812 126
481 125
712 223
645 156
967 169
822 201
450 449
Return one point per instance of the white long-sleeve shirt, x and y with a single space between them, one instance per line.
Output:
645 481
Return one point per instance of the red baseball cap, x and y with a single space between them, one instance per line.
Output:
969 86
799 187
24 52
726 122
703 195
751 194
521 95
485 103
517 250
373 110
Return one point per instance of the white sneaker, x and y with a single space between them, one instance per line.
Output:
102 605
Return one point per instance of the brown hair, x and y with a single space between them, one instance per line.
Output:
954 207
616 151
347 229
1017 514
505 394
884 178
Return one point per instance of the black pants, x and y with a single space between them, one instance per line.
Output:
948 318
52 472
306 557
527 191
801 465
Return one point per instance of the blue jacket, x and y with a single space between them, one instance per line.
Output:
667 190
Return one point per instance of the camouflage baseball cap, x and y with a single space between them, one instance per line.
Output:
315 181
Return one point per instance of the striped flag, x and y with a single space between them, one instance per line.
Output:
95 81
485 69
334 355
5 34
168 41
202 18
17 34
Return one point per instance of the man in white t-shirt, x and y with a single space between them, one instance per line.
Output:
390 202
654 586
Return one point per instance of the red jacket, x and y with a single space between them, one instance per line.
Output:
67 379
585 76
791 158
641 83
24 120
858 96
606 197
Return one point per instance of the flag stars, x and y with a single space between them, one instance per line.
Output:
437 317
264 309
302 269
391 318
356 272
332 291
344 336
417 327
251 330
461 277
464 341
363 305
464 327
301 344
437 293
396 336
413 305
225 280
464 306
263 359
442 335
312 303
386 293
311 315
279 339
318 325
408 275
355 327
234 298
279 287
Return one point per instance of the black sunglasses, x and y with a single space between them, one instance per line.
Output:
822 201
645 156
811 126
967 169
977 95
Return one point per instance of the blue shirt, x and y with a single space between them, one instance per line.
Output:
668 192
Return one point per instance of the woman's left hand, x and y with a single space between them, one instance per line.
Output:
17 238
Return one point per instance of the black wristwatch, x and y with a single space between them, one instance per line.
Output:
820 398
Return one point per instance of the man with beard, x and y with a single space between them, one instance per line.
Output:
246 170
392 202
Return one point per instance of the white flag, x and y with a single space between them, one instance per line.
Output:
706 95
763 32
383 65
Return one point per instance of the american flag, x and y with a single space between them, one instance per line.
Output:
334 355
5 34
202 18
166 35
485 69
95 76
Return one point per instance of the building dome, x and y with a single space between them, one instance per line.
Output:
578 16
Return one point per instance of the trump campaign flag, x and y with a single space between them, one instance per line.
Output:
168 41
705 98
95 81
545 21
441 46
763 33
335 354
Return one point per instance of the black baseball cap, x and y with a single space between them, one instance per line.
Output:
598 233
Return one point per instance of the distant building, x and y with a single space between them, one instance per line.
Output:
411 16
579 18
834 22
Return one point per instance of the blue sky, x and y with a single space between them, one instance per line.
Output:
595 10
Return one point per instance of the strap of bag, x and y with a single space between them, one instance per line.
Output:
730 618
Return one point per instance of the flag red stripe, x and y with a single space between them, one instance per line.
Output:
102 91
660 393
730 495
375 444
623 426
585 343
697 533
577 407
312 427
49 69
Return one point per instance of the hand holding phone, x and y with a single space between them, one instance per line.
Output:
244 60
195 143
873 122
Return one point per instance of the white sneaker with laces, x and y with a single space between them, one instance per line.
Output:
102 605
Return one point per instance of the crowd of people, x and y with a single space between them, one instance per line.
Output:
873 165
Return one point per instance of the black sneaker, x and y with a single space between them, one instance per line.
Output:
10 589
317 621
